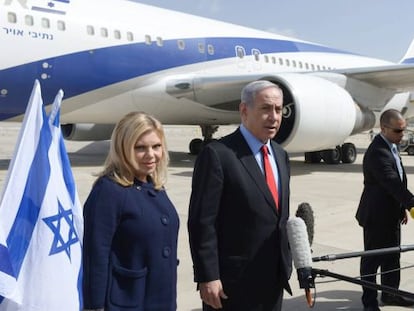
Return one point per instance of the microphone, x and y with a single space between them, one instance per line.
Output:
301 253
412 212
305 212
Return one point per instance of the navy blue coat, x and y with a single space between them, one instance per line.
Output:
130 248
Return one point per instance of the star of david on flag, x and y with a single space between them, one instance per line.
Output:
41 224
55 223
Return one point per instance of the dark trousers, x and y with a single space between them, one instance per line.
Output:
271 303
376 238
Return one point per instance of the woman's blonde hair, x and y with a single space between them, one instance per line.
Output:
120 163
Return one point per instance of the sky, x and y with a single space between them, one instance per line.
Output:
376 28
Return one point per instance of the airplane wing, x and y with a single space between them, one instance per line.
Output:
223 92
343 101
396 77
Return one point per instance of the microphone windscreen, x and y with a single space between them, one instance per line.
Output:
299 242
305 212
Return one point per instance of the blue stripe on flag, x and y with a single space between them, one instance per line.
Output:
67 172
5 264
21 232
46 10
66 167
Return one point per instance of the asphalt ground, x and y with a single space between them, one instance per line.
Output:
333 192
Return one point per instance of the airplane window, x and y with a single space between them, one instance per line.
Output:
312 66
159 41
240 52
61 25
148 39
318 67
281 61
273 60
12 18
210 49
294 63
45 23
117 34
104 32
306 66
90 30
287 62
130 36
28 19
181 44
300 64
256 54
266 58
201 48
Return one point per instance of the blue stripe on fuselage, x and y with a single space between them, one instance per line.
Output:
408 61
85 71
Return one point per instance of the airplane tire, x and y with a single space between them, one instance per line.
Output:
410 150
349 153
313 157
195 146
332 156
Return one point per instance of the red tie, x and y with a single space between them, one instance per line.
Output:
270 178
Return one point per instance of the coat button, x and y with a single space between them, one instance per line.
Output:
166 252
165 220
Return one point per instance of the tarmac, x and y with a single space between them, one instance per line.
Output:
333 192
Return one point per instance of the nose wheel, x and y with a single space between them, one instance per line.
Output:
197 144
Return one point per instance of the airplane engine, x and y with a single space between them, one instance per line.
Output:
317 114
87 131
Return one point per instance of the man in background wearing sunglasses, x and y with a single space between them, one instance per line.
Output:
383 209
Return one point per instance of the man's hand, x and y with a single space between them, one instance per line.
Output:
211 293
405 218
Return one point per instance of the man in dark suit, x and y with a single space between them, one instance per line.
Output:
237 228
383 208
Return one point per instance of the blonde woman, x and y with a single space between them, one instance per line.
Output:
131 226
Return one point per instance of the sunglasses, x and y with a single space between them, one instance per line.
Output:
396 131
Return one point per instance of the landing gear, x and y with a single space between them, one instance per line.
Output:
197 144
346 153
313 157
349 153
332 156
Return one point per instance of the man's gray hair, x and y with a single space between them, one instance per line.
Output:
249 92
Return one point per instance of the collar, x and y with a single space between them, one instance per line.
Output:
252 141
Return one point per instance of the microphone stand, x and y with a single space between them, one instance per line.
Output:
380 251
383 288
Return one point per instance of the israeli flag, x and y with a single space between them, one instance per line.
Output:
41 224
50 6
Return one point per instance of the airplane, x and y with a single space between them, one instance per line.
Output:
188 70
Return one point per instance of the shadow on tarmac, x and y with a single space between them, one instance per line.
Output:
326 300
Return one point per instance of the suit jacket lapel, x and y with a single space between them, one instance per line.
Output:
380 141
282 172
249 162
